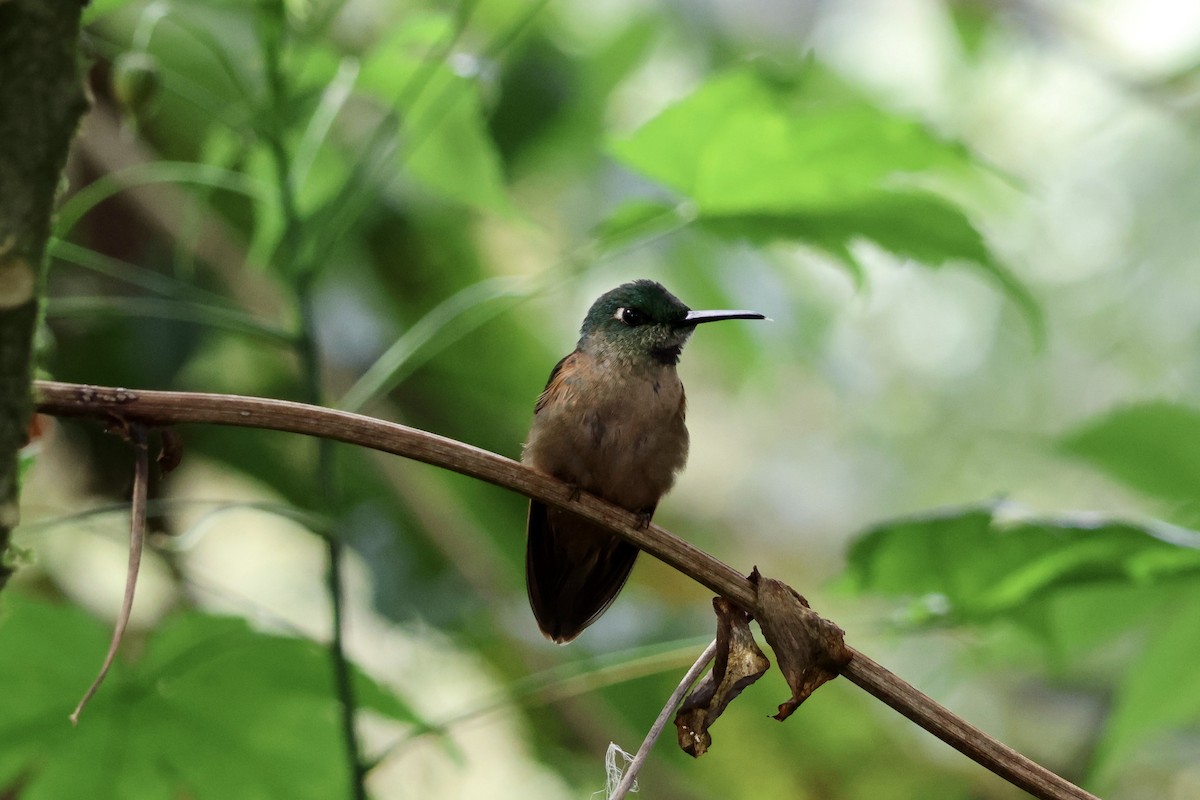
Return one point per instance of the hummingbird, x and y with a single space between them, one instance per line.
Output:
609 422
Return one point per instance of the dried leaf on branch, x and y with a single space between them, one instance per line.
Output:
809 649
738 663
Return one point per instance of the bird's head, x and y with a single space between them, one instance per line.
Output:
641 319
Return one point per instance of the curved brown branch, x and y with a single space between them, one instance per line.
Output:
154 408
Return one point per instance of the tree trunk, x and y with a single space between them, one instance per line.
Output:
41 101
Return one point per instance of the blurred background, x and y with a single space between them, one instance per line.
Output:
429 196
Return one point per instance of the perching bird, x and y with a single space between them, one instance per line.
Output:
610 422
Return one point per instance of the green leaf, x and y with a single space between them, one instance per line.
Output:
742 145
1076 620
913 224
1161 688
970 567
211 709
812 161
1153 447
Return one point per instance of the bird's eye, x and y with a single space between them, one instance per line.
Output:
630 316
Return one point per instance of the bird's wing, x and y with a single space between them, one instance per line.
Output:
554 384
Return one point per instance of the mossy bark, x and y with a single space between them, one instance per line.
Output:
41 101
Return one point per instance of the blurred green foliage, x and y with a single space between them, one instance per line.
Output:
800 156
210 705
428 196
1082 588
1152 447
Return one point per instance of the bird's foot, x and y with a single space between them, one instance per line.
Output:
644 517
573 491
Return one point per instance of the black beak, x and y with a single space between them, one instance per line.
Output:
694 318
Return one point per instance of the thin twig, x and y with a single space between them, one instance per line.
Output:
287 258
137 537
342 677
168 408
635 766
